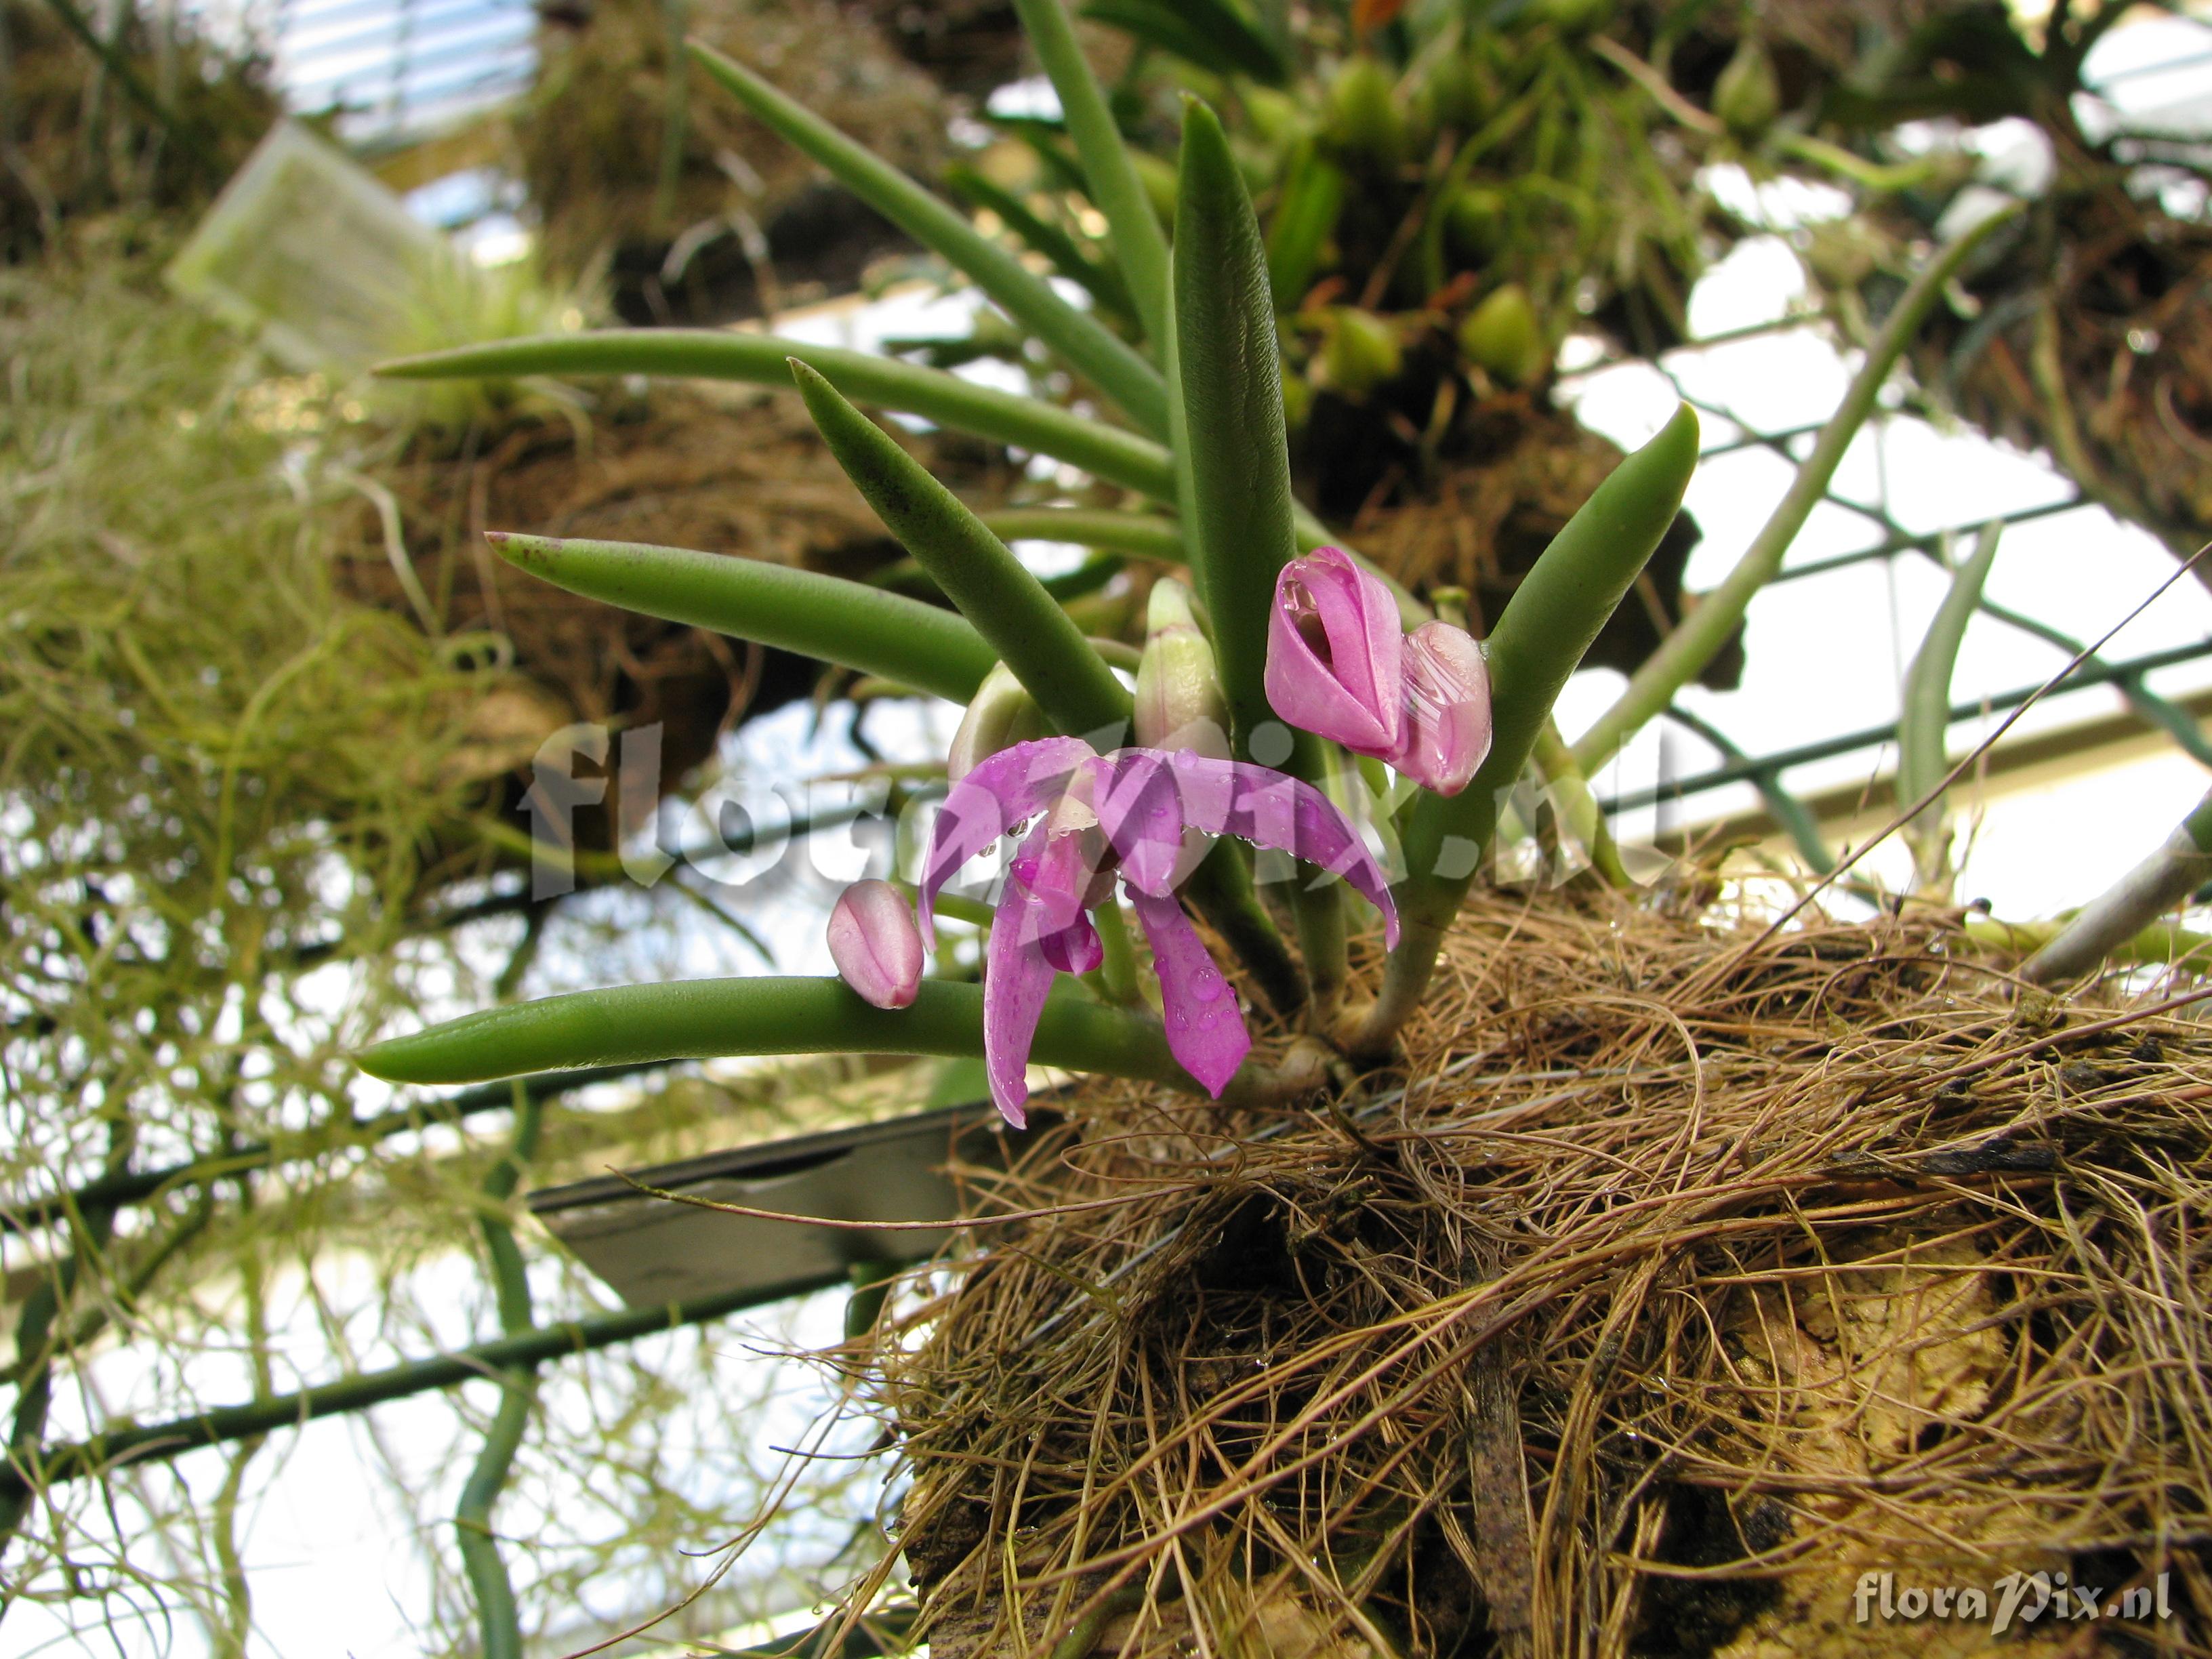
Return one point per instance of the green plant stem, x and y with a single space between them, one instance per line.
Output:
2162 942
1087 344
842 621
2131 906
1082 1637
1147 535
1009 608
699 1019
497 1616
1103 282
1684 654
1870 176
1117 971
1571 797
1134 227
1924 722
1104 452
153 1443
1558 608
675 117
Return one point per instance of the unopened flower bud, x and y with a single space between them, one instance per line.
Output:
1179 704
1002 714
1364 122
1748 95
1276 116
1502 334
1359 351
875 944
1474 223
1458 93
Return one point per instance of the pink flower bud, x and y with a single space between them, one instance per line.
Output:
875 944
1334 656
1447 729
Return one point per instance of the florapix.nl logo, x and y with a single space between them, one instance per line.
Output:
743 829
2017 1598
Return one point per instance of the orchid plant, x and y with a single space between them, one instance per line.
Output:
1269 692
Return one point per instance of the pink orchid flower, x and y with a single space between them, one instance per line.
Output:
1139 815
1446 735
1335 663
1338 667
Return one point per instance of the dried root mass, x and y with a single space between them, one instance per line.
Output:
1683 1276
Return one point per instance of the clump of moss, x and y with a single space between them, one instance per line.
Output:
182 684
78 140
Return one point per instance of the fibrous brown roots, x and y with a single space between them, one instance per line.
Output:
1682 1276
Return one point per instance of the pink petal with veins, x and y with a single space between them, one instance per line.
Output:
999 794
1447 735
1333 658
1205 1027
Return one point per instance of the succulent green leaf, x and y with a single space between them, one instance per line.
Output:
1101 281
1087 344
1024 625
1105 451
1921 756
1216 35
846 622
704 1020
1111 175
1146 534
1239 529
